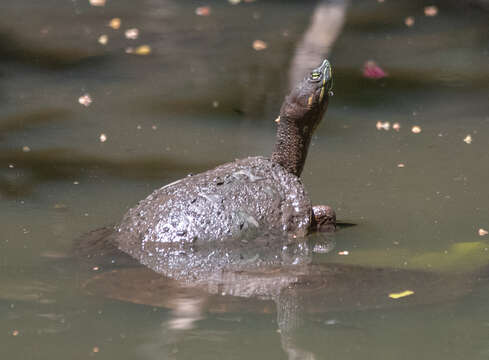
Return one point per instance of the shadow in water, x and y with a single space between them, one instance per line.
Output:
34 167
24 121
271 274
13 49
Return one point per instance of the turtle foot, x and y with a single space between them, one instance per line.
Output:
323 218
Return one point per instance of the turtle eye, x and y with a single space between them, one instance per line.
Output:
315 76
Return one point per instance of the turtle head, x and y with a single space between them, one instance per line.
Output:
300 115
308 101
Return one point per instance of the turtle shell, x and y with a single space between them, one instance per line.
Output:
233 203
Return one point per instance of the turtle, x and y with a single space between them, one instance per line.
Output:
239 200
241 237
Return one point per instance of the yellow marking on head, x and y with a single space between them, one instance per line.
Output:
328 69
309 101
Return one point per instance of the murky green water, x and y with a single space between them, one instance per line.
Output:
204 96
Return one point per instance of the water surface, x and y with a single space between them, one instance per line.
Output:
204 96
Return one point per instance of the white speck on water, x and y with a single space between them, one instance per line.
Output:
103 138
409 21
85 100
132 34
103 39
416 129
430 10
383 125
97 2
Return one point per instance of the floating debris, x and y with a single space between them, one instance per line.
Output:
383 125
416 129
15 332
234 2
401 294
259 45
431 10
95 349
140 50
115 23
203 11
483 232
396 126
373 71
132 34
95 268
215 104
85 100
26 148
401 165
468 139
103 39
97 2
409 21
154 127
344 252
103 138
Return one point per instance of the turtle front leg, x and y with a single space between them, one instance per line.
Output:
323 219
